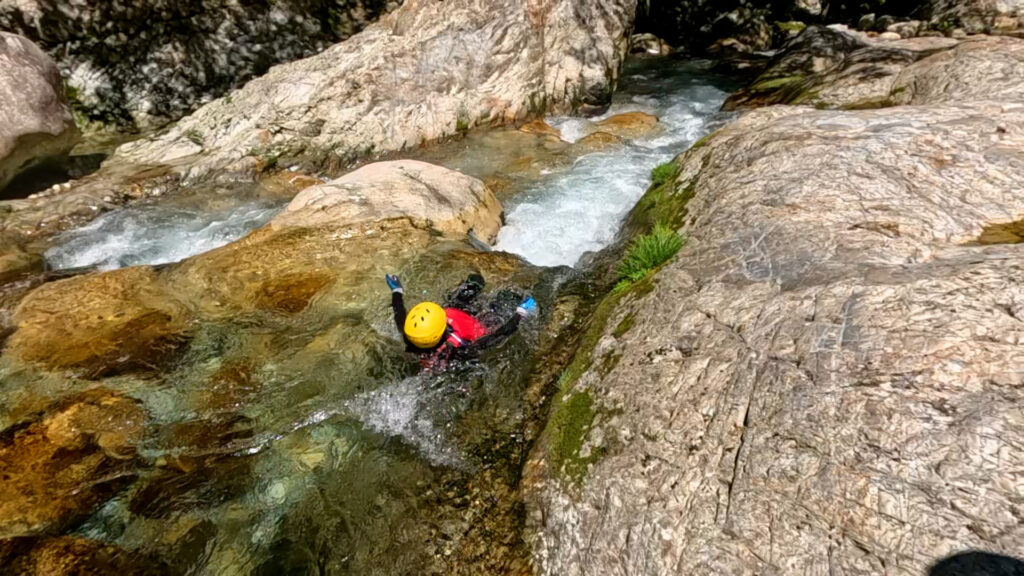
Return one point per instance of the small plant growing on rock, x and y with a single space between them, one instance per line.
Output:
663 173
647 253
195 136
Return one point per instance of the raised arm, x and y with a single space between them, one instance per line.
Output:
397 301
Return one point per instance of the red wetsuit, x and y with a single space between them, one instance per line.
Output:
465 333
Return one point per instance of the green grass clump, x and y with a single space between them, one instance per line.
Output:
663 173
647 253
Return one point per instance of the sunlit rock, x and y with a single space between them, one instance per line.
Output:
629 125
428 196
826 68
423 72
829 370
35 121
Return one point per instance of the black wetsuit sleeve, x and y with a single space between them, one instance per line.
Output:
398 306
492 338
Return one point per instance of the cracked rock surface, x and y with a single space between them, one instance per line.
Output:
828 378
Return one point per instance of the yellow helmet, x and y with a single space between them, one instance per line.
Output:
425 325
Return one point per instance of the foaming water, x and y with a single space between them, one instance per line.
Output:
401 410
156 233
575 211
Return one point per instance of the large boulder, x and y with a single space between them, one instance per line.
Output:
427 195
58 467
140 64
35 121
979 16
424 71
827 379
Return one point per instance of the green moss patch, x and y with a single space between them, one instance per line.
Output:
772 84
663 173
570 424
662 204
625 325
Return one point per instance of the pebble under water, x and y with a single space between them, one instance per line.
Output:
301 439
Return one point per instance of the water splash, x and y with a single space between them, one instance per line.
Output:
403 409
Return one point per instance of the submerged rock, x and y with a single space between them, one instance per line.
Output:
827 375
146 63
629 125
58 468
599 141
36 125
100 324
72 556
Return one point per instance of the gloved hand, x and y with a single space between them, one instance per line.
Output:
394 283
527 307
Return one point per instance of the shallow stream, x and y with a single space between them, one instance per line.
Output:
302 440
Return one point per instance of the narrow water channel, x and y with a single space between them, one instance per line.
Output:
306 443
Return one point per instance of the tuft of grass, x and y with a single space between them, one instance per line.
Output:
195 136
647 253
663 173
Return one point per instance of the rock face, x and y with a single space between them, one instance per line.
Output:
144 63
425 71
58 468
980 16
35 121
827 68
430 196
823 378
827 377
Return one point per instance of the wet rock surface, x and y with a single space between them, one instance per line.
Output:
71 556
57 468
825 379
100 324
143 64
35 121
289 389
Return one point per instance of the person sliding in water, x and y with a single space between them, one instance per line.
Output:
440 334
